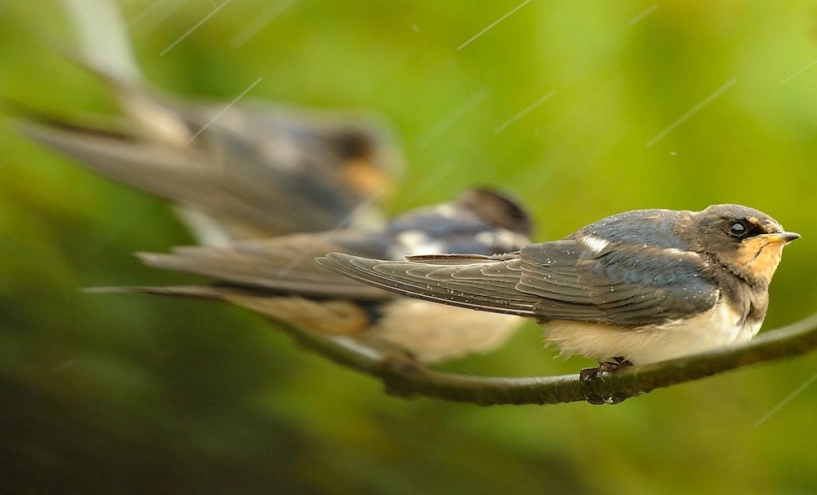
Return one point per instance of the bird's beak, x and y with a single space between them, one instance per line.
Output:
784 237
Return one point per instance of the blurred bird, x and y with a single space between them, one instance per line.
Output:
239 172
634 288
279 278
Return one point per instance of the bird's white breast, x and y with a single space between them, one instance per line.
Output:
434 332
717 327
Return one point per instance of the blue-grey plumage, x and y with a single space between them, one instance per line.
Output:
279 278
654 228
248 171
641 286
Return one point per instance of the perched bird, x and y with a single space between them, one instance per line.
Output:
240 172
279 278
634 288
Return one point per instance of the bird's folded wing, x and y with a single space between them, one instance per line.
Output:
280 265
329 317
483 284
157 169
183 176
629 286
190 291
624 285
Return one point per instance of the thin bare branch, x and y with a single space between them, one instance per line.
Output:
406 380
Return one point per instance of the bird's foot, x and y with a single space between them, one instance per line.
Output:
598 373
603 368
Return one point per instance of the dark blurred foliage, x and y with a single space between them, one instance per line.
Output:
132 394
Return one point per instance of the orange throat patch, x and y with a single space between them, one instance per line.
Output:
761 256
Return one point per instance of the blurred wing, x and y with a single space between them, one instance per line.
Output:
281 265
265 170
623 284
162 171
191 291
328 317
482 283
263 199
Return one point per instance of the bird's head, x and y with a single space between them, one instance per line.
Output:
746 241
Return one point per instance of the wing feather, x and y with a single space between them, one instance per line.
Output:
282 265
484 286
624 284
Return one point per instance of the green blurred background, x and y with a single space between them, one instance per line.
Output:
133 394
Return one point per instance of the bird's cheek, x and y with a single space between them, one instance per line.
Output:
760 257
366 179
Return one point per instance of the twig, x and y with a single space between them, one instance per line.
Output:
793 340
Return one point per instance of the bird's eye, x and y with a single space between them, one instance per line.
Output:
739 229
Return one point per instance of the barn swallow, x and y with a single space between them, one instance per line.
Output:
250 172
279 278
634 288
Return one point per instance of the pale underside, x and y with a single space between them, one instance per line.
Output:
435 332
717 327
